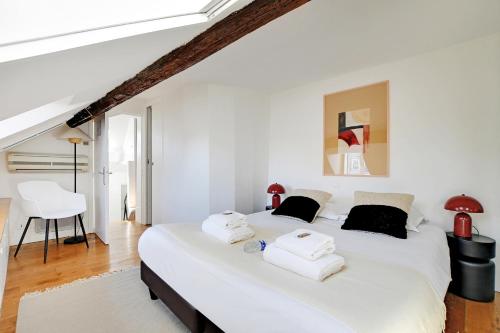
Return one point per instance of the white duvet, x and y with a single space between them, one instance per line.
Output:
388 285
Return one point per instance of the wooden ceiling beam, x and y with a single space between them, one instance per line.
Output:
223 33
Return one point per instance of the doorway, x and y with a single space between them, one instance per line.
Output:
122 181
123 157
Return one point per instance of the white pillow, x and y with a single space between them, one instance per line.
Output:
320 197
415 217
402 201
335 210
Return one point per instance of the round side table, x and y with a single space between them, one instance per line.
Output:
472 271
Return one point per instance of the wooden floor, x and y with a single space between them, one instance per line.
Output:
472 317
66 263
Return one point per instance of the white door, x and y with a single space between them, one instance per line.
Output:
149 165
101 178
155 168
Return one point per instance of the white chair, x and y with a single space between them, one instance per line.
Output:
49 201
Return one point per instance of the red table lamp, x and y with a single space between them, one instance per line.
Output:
463 204
276 189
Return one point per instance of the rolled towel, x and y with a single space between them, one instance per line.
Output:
227 235
229 219
307 244
318 269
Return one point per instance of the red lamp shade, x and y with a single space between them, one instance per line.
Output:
276 189
463 204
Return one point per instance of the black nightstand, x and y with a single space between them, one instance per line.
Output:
269 207
472 271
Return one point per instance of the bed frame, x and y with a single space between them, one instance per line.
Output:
192 318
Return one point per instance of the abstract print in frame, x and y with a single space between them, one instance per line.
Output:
356 132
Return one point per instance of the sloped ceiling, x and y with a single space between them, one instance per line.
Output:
318 40
327 37
84 74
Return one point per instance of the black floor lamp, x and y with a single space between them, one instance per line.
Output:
74 136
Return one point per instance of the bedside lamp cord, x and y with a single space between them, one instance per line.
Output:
477 231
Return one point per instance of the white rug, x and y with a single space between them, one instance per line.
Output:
115 302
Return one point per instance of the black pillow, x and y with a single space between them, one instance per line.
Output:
377 218
299 207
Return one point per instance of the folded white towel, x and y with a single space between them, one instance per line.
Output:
227 235
229 219
318 269
307 244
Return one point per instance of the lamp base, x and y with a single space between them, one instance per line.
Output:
462 227
74 240
276 201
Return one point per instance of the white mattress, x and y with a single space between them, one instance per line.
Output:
242 305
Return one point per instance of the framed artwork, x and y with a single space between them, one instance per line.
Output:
356 131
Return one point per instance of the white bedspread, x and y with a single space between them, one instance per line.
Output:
389 285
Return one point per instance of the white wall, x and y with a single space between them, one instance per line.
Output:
239 121
251 137
46 143
444 119
222 163
212 136
185 164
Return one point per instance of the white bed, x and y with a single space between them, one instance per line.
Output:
388 284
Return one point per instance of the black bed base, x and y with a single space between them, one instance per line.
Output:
192 318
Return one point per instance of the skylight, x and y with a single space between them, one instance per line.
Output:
28 119
30 27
